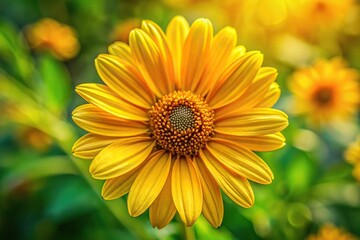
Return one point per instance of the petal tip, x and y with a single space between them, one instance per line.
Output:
99 57
104 194
178 18
158 225
231 30
81 87
249 203
94 171
133 212
203 22
73 150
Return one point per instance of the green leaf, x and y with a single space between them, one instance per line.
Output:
34 169
56 88
14 54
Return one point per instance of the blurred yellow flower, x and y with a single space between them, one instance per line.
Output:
259 12
184 3
352 156
34 138
330 232
256 21
50 35
179 118
326 92
314 17
122 29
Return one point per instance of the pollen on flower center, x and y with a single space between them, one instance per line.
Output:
182 118
181 122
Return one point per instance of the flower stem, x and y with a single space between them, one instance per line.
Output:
189 233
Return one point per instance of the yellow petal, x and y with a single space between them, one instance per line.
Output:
176 32
150 63
237 52
121 50
302 80
223 44
356 172
117 187
253 95
97 121
195 53
186 190
253 122
124 80
163 210
263 143
89 145
240 160
102 97
236 187
235 80
149 183
160 39
121 157
213 208
271 97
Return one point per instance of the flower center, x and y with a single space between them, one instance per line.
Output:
181 122
323 96
182 118
320 6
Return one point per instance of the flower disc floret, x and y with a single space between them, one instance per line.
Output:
181 122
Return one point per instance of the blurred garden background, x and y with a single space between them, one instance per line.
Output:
49 47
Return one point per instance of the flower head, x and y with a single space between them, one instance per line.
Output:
326 92
50 35
178 119
352 156
330 232
326 15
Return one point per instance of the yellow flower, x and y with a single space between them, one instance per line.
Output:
122 29
326 92
352 156
312 17
179 118
50 35
184 3
330 232
262 13
34 138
